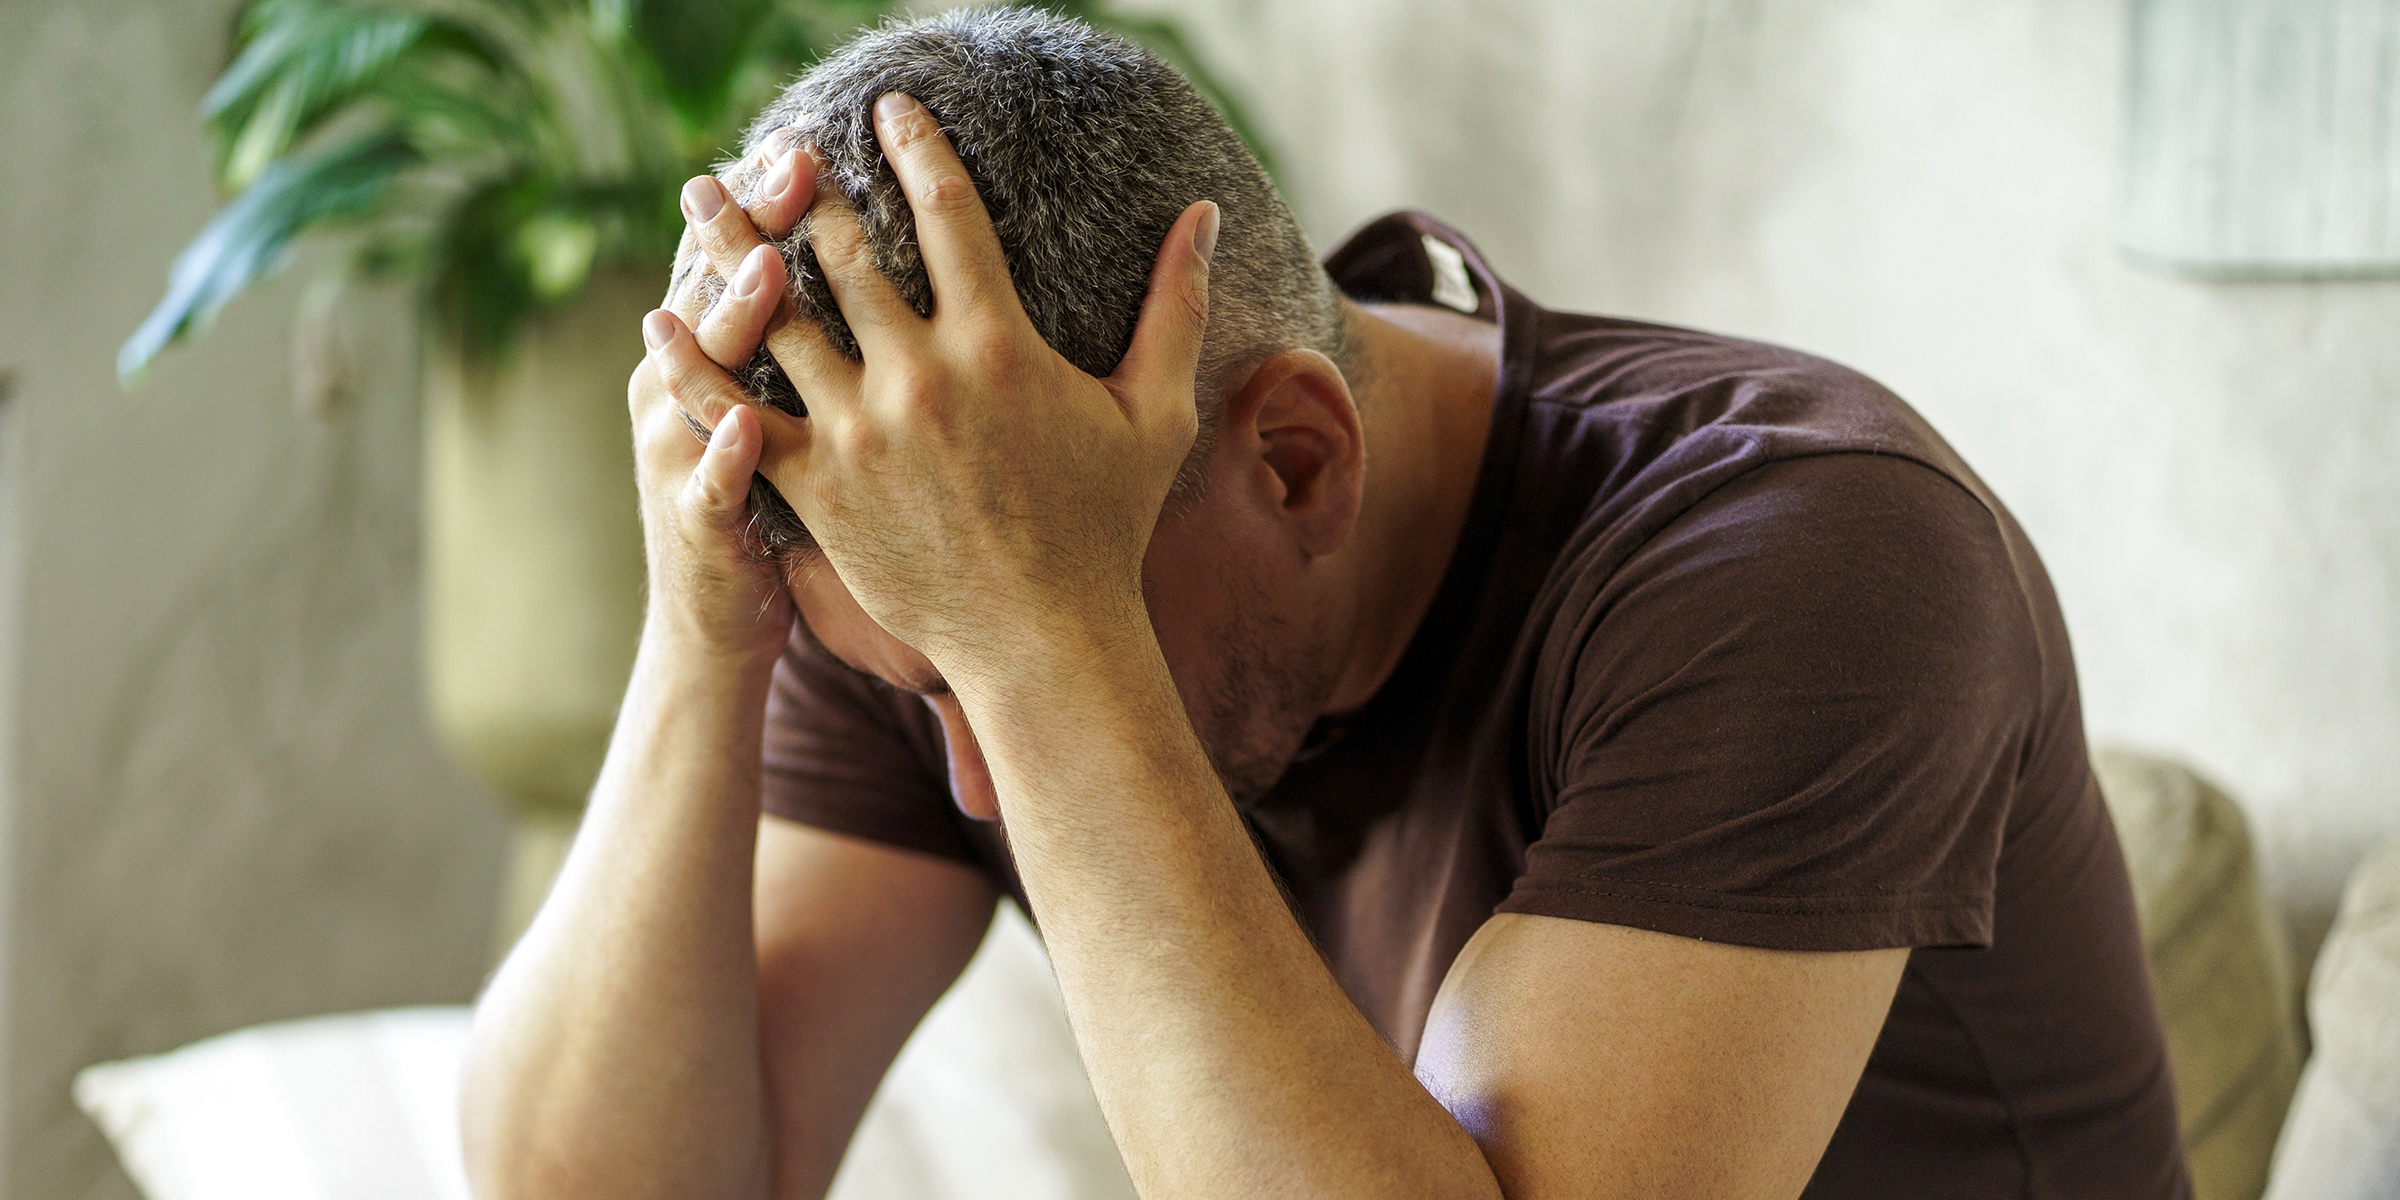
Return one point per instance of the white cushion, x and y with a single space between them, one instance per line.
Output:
2342 1141
987 1101
2218 957
361 1107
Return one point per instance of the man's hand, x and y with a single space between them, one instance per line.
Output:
706 587
972 488
617 1051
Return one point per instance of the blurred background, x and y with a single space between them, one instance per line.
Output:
239 781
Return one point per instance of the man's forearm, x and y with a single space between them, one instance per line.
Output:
616 1052
1228 1060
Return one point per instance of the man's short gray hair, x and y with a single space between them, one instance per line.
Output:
1086 148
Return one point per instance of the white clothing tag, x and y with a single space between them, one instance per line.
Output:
1451 286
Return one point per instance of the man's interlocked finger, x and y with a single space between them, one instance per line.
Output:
700 387
730 333
723 230
718 235
703 394
721 480
963 260
787 184
874 309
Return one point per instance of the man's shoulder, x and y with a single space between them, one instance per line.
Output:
1629 431
1684 395
1709 495
1868 547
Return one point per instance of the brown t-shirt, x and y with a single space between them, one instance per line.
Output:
1732 647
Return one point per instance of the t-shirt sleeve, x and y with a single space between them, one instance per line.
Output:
1793 718
847 754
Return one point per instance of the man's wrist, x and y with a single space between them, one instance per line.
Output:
683 650
1071 693
1042 661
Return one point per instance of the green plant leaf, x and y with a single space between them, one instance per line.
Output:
557 248
455 105
498 151
697 46
303 60
482 290
247 238
799 32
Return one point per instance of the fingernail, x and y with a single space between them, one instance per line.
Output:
728 433
1204 239
745 280
893 105
702 198
779 176
658 328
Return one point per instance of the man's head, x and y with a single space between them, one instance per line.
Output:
1085 148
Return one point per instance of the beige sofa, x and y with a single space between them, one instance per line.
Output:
2233 1010
989 1103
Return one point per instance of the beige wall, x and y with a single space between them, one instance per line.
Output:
220 807
1925 189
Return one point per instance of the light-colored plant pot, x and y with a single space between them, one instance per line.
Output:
533 566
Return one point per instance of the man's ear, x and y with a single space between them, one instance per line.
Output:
1300 446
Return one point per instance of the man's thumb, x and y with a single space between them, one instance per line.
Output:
1166 340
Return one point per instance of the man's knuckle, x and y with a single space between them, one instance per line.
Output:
997 350
840 245
950 194
916 387
658 432
643 388
703 494
693 388
674 373
912 129
855 440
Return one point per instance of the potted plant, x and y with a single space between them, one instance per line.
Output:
518 162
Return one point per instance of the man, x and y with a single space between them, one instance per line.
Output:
1450 748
